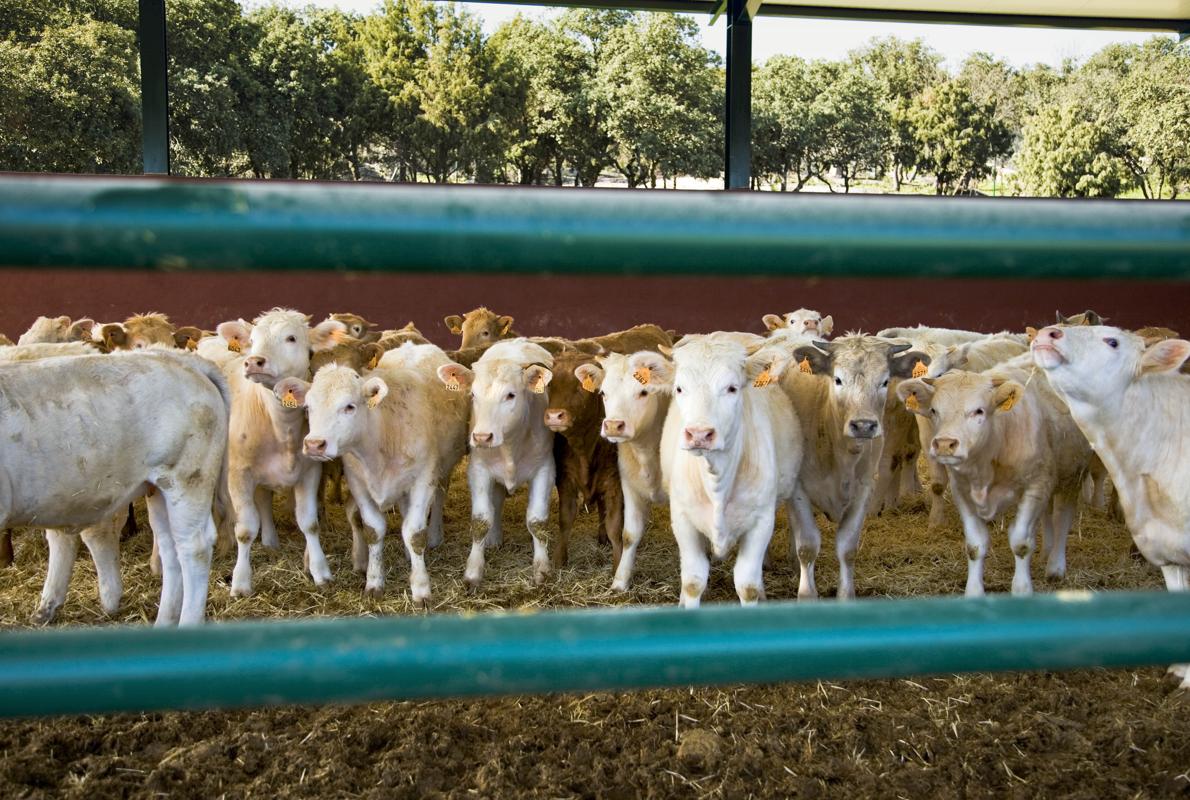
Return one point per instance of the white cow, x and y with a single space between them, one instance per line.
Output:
635 392
97 431
266 433
400 433
510 445
730 452
803 322
1134 407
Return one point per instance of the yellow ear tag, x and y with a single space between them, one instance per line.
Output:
643 375
920 369
911 402
375 399
234 345
764 378
289 401
538 386
375 360
804 366
191 344
588 384
452 384
1008 403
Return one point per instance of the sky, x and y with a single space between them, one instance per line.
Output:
832 39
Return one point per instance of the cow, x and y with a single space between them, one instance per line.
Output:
75 476
400 434
56 330
510 446
480 327
266 433
802 322
839 392
1007 442
1129 399
138 332
392 339
731 447
357 327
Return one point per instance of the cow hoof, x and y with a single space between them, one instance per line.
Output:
44 615
241 591
373 592
620 586
540 576
472 584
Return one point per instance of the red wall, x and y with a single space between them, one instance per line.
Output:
571 306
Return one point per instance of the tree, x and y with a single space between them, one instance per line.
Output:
1067 154
785 130
1155 102
854 122
957 135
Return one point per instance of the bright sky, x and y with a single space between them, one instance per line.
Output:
834 38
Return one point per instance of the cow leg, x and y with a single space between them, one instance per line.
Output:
1022 540
975 532
847 541
376 525
537 519
636 516
805 541
567 512
484 516
192 537
1177 579
63 547
6 548
169 608
1062 519
263 499
305 496
692 554
938 476
495 536
130 528
413 533
103 541
247 529
910 482
437 512
611 511
887 481
749 561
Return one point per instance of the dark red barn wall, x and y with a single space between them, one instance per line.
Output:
577 306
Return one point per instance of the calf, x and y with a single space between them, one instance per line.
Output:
1006 440
56 330
730 452
480 328
1133 405
510 445
357 327
839 392
266 434
138 332
802 322
400 433
73 475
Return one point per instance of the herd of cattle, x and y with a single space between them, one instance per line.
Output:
725 427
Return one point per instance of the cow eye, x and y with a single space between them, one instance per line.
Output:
732 389
885 384
485 333
1112 343
838 381
679 390
643 393
510 396
979 412
349 408
291 338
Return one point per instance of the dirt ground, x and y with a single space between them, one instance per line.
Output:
1092 734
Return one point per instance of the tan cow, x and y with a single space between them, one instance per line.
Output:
56 330
480 327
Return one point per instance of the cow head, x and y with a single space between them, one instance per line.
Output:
277 344
355 326
479 327
573 400
507 395
803 322
1100 361
634 389
963 407
338 403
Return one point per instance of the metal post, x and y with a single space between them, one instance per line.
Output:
737 171
154 87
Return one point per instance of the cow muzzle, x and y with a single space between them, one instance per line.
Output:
946 450
480 439
863 428
1047 353
256 368
316 448
699 438
616 430
557 419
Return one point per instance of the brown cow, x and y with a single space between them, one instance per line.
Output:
139 331
480 328
357 327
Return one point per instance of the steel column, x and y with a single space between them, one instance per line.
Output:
154 87
737 164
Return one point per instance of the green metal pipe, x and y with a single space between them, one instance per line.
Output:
172 224
101 670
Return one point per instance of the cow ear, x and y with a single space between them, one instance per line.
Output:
375 390
326 334
537 377
1006 396
652 370
913 364
812 360
187 337
456 377
504 324
826 326
454 324
62 324
590 377
410 327
1031 333
291 392
766 367
114 336
916 394
372 353
237 333
81 329
773 322
1164 356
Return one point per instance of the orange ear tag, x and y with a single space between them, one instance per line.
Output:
911 402
191 344
289 401
643 375
234 345
1008 403
804 366
919 369
588 384
538 386
764 378
372 364
452 384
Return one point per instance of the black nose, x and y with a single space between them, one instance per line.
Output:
863 428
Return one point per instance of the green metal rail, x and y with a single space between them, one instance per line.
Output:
100 670
155 223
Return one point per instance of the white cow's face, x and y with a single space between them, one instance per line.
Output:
277 345
337 404
961 406
1100 360
635 390
860 368
709 381
506 397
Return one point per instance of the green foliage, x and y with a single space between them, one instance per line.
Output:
1065 154
958 135
786 132
852 120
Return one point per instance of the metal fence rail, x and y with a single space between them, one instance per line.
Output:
154 223
98 670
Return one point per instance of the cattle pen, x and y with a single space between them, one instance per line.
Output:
202 232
